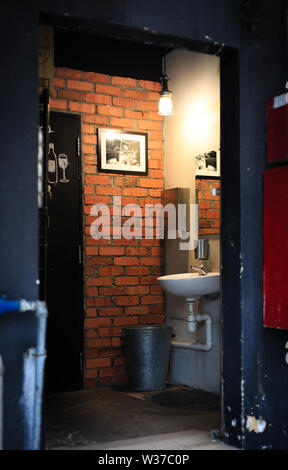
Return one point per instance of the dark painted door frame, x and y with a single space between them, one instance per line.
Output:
230 203
230 249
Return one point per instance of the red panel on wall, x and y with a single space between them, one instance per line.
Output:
277 129
276 248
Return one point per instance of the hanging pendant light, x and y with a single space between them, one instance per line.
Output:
165 106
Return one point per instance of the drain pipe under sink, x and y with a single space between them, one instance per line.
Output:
192 320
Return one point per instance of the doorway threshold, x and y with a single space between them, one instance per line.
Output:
182 441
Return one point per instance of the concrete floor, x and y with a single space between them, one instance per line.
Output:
102 419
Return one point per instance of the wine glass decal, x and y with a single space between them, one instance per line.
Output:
63 163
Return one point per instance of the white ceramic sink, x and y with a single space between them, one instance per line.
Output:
191 286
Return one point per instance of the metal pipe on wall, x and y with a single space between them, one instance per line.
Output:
33 364
28 395
40 356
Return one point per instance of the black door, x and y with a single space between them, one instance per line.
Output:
64 255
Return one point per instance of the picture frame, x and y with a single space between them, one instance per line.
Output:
121 151
208 164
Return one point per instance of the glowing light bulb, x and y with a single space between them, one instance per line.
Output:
165 106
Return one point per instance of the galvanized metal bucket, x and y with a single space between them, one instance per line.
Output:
148 352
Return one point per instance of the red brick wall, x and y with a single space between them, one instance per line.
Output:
209 206
120 275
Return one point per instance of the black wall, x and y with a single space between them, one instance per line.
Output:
18 201
254 69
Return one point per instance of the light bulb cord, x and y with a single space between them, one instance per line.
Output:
164 78
163 66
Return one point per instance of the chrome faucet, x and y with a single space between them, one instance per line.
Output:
200 270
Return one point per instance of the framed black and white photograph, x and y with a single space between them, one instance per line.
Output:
122 151
208 164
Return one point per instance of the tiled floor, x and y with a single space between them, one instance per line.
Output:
185 440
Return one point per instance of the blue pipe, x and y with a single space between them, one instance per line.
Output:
8 305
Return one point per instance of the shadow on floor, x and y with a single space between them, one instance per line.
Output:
105 414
